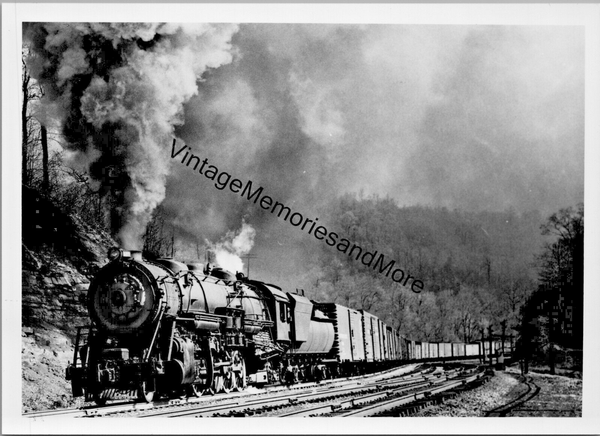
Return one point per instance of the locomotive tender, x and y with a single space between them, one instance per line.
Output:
175 329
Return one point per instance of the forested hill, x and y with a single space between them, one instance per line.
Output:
477 268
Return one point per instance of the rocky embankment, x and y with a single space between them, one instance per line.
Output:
56 274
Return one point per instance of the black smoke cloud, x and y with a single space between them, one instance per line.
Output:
118 90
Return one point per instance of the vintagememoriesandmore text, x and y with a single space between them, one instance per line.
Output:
224 180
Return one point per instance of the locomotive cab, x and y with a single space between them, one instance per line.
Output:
278 304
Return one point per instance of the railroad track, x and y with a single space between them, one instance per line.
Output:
532 391
285 397
72 412
90 411
162 407
326 400
400 399
354 402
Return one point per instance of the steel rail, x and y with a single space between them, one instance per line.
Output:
128 407
287 399
353 402
398 387
532 391
397 402
52 413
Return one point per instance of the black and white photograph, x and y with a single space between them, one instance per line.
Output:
300 211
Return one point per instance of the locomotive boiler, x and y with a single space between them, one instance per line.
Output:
163 326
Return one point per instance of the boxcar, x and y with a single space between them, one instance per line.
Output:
383 340
486 347
424 350
356 334
418 354
399 345
371 337
391 343
403 345
349 344
458 349
445 349
433 350
472 349
381 327
412 350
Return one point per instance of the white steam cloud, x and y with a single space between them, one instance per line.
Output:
232 246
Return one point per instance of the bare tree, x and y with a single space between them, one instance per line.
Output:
30 129
45 170
158 241
34 132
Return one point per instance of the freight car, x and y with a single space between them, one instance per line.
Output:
167 328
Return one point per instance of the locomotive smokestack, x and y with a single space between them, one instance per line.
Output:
116 253
210 256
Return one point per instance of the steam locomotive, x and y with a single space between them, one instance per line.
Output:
166 328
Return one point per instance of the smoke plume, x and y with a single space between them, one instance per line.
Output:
232 246
480 118
119 90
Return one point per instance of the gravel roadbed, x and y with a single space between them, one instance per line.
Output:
497 391
558 396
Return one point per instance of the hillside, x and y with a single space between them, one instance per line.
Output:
60 254
478 268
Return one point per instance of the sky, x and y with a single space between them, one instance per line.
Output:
477 118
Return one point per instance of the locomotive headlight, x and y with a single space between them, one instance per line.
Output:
114 253
118 298
123 299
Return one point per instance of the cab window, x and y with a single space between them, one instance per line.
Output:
282 311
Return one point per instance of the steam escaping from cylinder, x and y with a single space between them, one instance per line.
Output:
118 90
235 244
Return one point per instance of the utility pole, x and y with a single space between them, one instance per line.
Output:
491 345
503 324
482 330
248 257
172 242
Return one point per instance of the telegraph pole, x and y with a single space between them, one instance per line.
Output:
503 325
248 257
482 330
490 332
172 242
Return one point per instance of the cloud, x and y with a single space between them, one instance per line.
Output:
122 87
472 117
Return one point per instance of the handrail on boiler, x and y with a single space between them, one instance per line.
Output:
162 311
